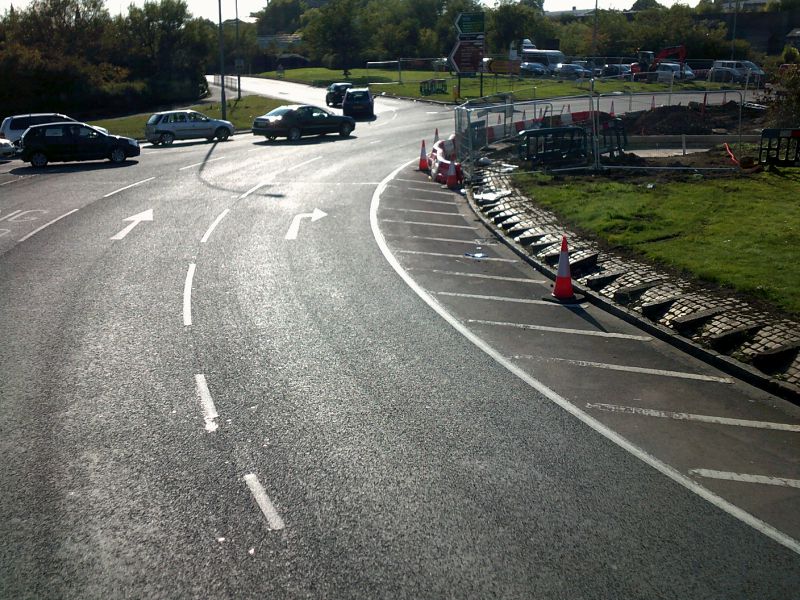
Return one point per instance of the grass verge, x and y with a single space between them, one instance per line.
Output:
240 112
742 233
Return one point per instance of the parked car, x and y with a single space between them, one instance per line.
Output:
7 148
667 71
335 93
167 126
532 69
296 120
13 127
358 101
737 71
73 141
620 71
571 71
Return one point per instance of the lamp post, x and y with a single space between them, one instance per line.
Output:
733 35
238 57
222 63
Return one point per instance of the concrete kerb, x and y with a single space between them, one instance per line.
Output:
726 364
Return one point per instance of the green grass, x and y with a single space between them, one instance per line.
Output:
240 112
407 84
742 232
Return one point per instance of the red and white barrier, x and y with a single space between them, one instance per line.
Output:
440 158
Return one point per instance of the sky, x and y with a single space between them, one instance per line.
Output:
209 9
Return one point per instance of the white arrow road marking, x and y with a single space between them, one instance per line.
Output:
294 228
264 503
209 410
134 221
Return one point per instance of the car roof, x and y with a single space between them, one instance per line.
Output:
44 114
176 110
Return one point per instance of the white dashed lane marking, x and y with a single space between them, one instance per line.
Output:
264 502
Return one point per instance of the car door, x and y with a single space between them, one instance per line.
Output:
303 120
57 143
90 144
181 125
200 125
320 122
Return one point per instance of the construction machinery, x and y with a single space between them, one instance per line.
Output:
648 61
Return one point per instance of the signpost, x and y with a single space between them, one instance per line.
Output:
467 54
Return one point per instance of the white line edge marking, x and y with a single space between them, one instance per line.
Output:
603 334
35 231
443 202
207 402
187 295
473 228
425 212
201 163
429 191
471 241
482 276
303 164
680 416
503 299
214 225
264 503
584 417
628 369
745 478
127 187
441 254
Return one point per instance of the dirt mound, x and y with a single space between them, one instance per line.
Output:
694 119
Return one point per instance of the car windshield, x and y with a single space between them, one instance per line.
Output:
280 111
751 66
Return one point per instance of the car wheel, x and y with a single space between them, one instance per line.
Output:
345 129
39 160
166 139
222 134
117 156
294 134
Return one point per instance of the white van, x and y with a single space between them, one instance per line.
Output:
549 58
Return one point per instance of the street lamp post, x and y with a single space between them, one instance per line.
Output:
222 63
238 57
733 35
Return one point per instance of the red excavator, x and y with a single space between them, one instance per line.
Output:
648 60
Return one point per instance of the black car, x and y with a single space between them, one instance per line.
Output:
296 120
335 93
358 101
68 141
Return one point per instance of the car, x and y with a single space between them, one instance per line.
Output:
619 71
571 71
7 148
167 126
13 127
668 71
532 69
737 71
335 93
358 101
73 141
296 120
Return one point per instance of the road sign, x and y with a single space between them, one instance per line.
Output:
470 22
467 55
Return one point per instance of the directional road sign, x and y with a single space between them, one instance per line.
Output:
467 55
470 22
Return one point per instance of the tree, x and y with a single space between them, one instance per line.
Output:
640 5
334 33
280 16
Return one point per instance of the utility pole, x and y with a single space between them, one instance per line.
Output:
222 64
733 35
238 57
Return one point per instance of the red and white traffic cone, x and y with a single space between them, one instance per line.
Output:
436 135
452 177
562 291
612 109
423 158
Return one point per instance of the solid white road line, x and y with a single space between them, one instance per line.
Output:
264 503
209 410
127 187
20 178
643 370
501 299
35 231
507 260
471 241
187 296
424 212
430 191
302 164
207 234
679 416
745 478
481 276
603 334
444 202
665 469
200 163
429 224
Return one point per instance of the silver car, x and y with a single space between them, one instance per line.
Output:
170 125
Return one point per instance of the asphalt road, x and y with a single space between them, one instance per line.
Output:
245 398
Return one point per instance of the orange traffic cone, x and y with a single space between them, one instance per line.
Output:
725 97
423 158
612 108
653 103
436 135
452 178
563 288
